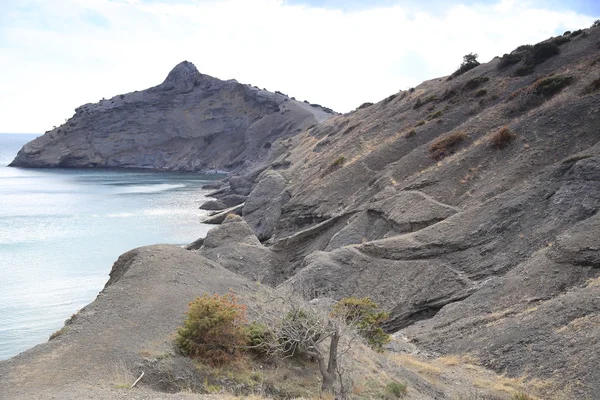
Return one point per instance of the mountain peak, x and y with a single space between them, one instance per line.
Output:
182 78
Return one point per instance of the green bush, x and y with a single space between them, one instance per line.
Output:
213 329
396 389
561 40
538 92
469 62
480 92
258 336
364 315
509 59
577 32
364 105
543 51
548 87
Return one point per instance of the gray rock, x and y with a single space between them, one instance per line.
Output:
190 122
219 216
263 205
213 205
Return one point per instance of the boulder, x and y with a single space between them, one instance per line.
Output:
263 205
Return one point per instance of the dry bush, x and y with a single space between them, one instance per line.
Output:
443 145
538 92
214 329
502 138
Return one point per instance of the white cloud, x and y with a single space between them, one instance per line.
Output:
58 56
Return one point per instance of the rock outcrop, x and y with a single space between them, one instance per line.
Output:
190 122
467 207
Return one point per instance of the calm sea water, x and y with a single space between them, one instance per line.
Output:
61 230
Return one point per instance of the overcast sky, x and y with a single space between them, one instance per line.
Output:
58 54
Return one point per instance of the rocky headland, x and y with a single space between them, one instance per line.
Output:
467 207
190 122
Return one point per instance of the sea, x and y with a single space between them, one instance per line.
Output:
62 229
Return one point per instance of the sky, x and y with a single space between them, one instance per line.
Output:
56 55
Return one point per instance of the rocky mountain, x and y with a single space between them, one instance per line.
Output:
467 207
190 122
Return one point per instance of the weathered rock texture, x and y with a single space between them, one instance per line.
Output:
480 248
190 122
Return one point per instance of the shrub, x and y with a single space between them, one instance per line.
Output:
481 92
441 146
396 389
420 123
596 23
548 87
561 40
469 62
411 133
363 314
542 51
257 335
364 105
509 59
389 98
576 33
566 33
538 92
213 329
502 138
475 82
523 47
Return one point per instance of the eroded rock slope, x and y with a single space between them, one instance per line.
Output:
466 206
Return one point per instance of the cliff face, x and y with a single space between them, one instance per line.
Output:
467 207
190 122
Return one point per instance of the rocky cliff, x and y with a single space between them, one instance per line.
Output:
467 207
190 122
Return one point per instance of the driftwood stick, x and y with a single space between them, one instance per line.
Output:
138 379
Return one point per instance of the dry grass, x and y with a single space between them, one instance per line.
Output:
413 363
442 146
502 138
123 378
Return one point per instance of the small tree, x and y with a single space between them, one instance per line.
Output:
365 316
310 329
596 23
214 329
469 62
